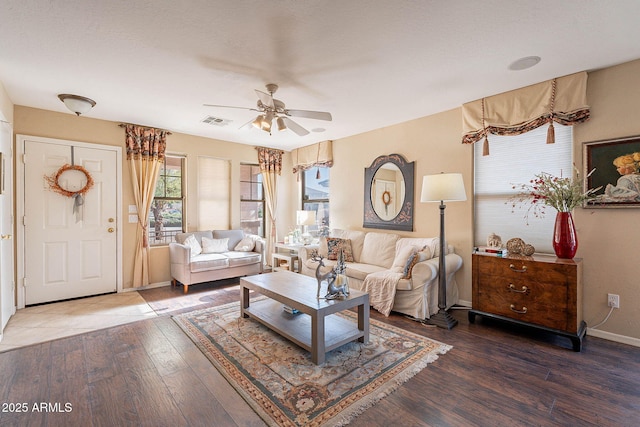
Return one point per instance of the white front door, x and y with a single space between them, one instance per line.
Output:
69 253
7 282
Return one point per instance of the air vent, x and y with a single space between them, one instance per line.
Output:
216 121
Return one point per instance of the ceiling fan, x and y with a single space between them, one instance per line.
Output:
270 109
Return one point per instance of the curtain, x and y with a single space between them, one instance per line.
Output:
145 155
562 100
320 154
270 161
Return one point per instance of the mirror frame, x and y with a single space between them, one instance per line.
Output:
404 220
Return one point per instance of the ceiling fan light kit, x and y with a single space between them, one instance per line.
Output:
270 108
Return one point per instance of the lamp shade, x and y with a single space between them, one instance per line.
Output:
443 187
306 217
77 104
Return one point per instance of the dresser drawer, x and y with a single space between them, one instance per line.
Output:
523 270
534 302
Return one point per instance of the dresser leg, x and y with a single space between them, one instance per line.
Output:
472 317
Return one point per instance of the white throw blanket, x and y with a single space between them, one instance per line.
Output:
381 287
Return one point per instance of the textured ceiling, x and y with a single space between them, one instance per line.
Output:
370 63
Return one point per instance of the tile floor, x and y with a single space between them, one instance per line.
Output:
51 321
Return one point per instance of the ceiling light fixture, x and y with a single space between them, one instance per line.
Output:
281 125
524 63
77 104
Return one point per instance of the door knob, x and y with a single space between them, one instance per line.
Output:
111 229
111 219
5 236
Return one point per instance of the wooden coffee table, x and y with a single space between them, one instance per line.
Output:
316 328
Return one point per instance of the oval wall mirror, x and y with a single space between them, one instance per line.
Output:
388 193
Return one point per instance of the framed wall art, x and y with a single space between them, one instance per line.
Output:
616 169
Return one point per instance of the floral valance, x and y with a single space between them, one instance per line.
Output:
145 143
562 100
270 159
320 154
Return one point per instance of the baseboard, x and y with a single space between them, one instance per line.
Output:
464 303
613 337
150 286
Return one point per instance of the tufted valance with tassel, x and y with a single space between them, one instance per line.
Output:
320 154
562 100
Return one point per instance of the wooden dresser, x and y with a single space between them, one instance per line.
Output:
538 291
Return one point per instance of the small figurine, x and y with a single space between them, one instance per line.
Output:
329 276
339 288
494 241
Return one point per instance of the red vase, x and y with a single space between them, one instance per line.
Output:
565 240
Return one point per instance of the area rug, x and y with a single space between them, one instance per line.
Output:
279 381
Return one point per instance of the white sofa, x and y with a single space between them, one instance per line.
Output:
375 252
221 261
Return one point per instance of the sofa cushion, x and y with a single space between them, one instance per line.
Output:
181 237
193 244
356 237
215 246
242 258
205 262
430 242
379 249
360 271
402 255
234 236
247 244
335 245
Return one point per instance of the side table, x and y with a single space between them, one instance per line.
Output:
288 253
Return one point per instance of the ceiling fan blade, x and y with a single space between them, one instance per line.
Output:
229 106
295 127
319 115
265 98
247 125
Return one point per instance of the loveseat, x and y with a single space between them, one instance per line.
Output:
203 256
400 273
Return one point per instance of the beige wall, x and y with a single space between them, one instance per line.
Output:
433 143
607 237
6 106
30 121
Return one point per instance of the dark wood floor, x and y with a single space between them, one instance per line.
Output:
150 373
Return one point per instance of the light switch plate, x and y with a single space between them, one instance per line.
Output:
133 219
133 209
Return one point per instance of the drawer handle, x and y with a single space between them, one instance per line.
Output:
522 270
523 311
513 289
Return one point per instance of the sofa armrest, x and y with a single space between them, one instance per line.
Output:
180 257
261 249
427 271
305 253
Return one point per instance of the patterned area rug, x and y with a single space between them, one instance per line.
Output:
278 379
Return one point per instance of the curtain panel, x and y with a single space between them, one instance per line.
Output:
562 100
270 162
145 154
320 154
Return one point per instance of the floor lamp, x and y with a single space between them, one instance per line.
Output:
443 187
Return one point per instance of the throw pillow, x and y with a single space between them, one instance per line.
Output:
215 246
245 245
191 242
414 258
335 244
402 255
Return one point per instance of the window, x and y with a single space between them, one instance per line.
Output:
251 200
515 160
315 197
166 215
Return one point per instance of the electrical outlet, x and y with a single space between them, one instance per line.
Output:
613 300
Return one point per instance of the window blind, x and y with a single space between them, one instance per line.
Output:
515 160
214 193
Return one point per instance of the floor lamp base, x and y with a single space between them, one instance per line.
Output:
442 319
